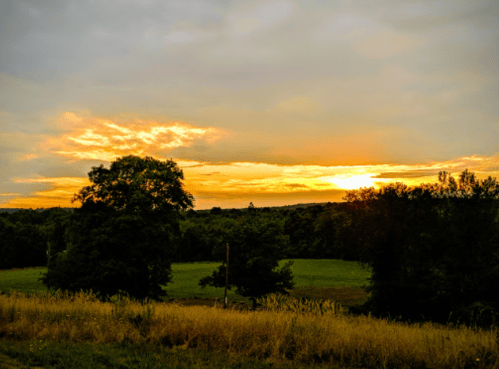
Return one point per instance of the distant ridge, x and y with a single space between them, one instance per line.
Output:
297 206
287 207
13 210
283 207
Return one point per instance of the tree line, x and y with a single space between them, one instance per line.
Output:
315 232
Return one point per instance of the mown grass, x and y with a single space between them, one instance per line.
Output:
303 335
333 279
22 280
327 272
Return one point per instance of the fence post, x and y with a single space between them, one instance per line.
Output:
226 276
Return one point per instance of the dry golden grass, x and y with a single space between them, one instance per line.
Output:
346 295
302 333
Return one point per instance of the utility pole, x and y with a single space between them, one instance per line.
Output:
226 276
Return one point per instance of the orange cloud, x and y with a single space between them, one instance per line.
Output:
281 184
235 184
28 157
59 193
105 139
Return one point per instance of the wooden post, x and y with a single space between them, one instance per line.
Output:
226 276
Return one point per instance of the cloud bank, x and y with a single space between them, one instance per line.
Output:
282 100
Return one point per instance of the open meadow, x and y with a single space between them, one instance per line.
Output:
55 330
333 279
45 329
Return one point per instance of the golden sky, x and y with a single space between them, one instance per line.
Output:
90 140
273 102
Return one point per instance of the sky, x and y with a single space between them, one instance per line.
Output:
273 102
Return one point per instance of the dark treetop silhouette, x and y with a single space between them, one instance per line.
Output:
122 237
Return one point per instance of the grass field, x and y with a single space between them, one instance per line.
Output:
47 330
316 279
326 273
336 279
57 330
22 280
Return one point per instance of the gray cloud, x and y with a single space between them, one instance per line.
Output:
74 170
292 81
56 37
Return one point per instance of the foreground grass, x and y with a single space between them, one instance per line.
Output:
304 336
46 354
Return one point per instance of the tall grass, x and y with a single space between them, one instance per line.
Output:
277 334
284 303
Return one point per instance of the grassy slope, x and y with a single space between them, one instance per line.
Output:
307 273
326 273
23 280
53 329
335 279
313 278
359 342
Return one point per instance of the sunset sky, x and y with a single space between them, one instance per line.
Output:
271 102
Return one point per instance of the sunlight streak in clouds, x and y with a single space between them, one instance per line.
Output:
274 184
235 184
101 139
225 184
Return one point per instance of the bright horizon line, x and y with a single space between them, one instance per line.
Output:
214 179
223 208
234 185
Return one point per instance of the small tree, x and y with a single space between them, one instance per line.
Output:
122 237
256 245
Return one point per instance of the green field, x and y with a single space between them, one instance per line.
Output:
52 331
335 279
312 277
23 280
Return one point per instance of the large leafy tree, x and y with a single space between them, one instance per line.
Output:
256 244
122 236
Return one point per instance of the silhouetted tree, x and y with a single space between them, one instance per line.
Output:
256 244
433 249
122 237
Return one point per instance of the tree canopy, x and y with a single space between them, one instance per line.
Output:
122 238
433 248
139 185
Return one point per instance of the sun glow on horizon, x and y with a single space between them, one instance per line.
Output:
235 184
354 182
212 183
